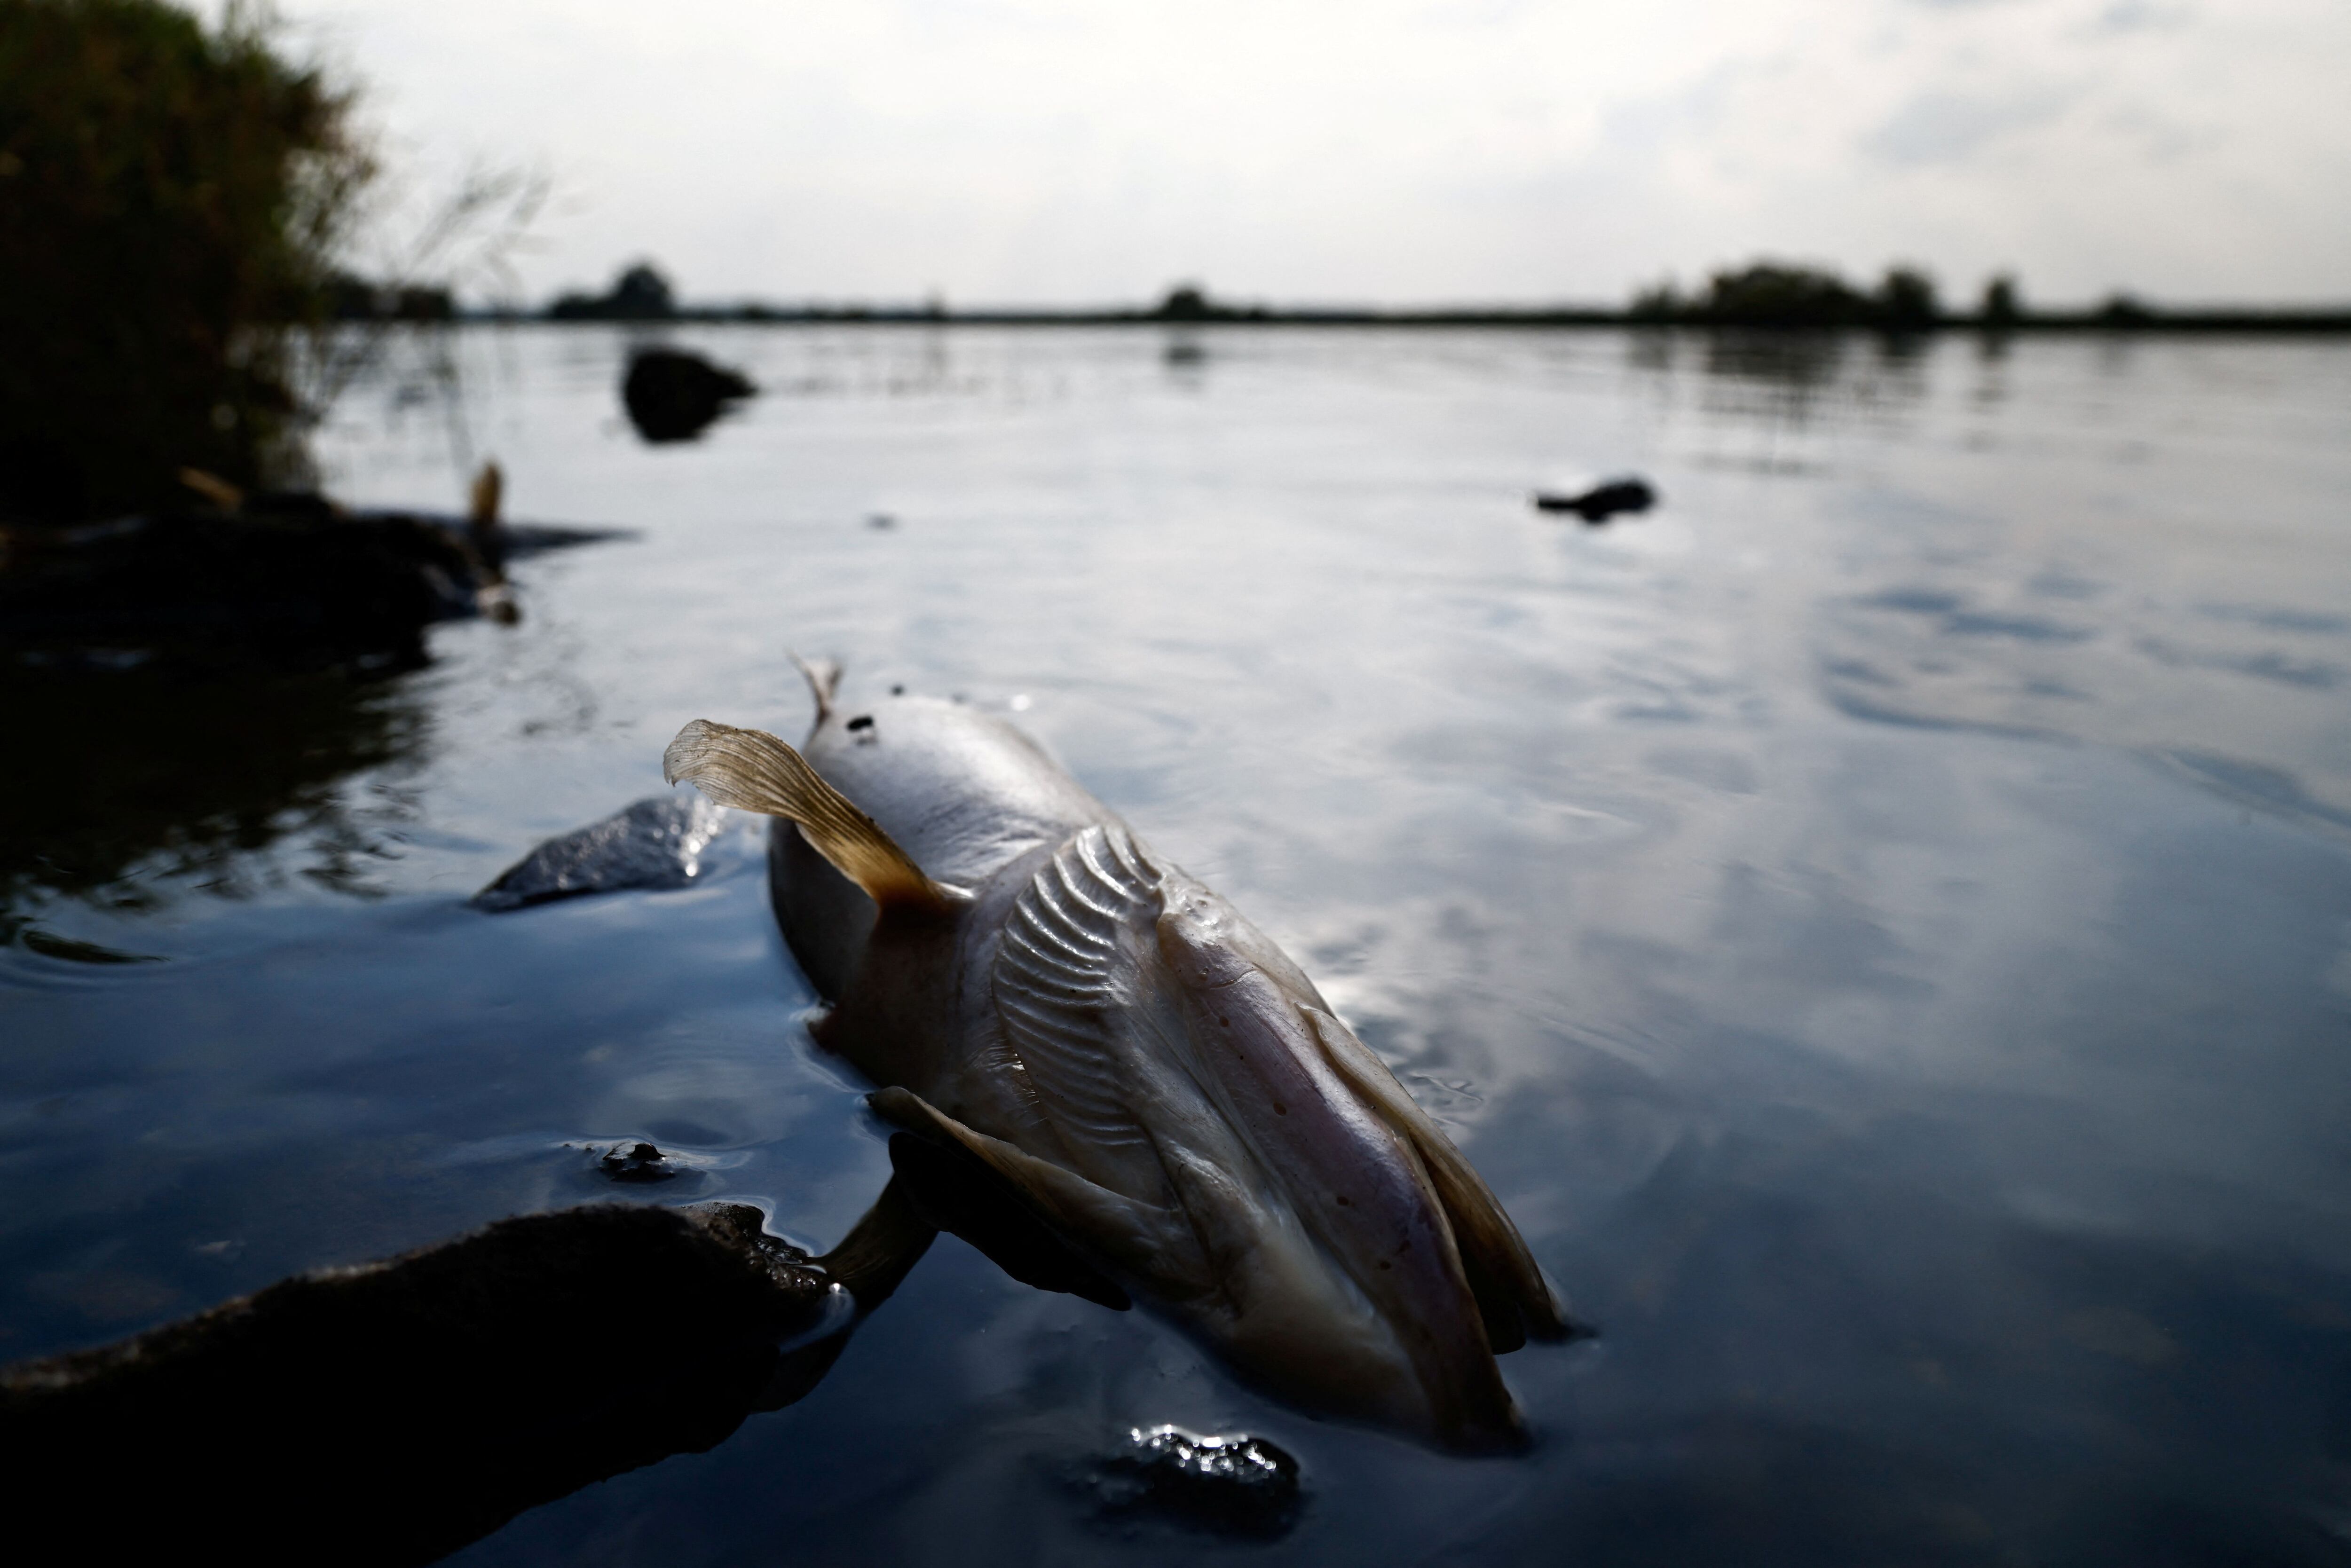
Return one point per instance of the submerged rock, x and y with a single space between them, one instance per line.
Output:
659 841
674 395
636 1162
1232 1484
1601 502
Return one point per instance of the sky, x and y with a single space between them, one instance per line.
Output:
1387 151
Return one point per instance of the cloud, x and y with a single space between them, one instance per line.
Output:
1398 149
1939 127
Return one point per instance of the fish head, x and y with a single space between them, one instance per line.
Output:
1262 1178
1340 1278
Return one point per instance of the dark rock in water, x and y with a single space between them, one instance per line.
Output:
1601 502
637 1162
672 395
287 578
657 842
1233 1484
293 586
398 1410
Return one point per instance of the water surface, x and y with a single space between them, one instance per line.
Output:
1882 921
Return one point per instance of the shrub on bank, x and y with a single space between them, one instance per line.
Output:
169 196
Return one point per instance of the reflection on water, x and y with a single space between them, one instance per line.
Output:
1882 919
151 782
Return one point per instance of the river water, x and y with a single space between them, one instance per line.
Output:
1881 921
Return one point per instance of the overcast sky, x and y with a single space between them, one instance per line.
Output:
1388 150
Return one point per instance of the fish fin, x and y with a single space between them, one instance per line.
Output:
1512 1295
823 677
751 770
1062 984
954 1193
881 1249
1115 1229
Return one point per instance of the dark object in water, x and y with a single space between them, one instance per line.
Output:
637 1162
674 395
20 931
287 577
1601 502
398 1410
1233 1484
658 842
293 589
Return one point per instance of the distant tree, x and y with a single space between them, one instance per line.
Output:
2124 310
170 201
1779 294
1906 301
2001 307
643 293
640 294
1186 302
1659 302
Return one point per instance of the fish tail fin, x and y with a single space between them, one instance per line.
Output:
753 771
823 676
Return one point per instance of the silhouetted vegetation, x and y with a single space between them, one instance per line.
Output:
1190 302
1784 295
1769 294
1764 295
1905 301
353 298
2001 307
640 294
170 198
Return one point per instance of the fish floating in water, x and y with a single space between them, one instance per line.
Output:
1152 1077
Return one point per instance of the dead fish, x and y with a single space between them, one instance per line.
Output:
1032 984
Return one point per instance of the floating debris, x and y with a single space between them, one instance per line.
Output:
1601 502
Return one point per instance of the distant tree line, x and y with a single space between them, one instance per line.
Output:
1781 294
1776 296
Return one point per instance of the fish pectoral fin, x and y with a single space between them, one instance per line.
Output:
753 771
1115 1229
952 1191
1512 1295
